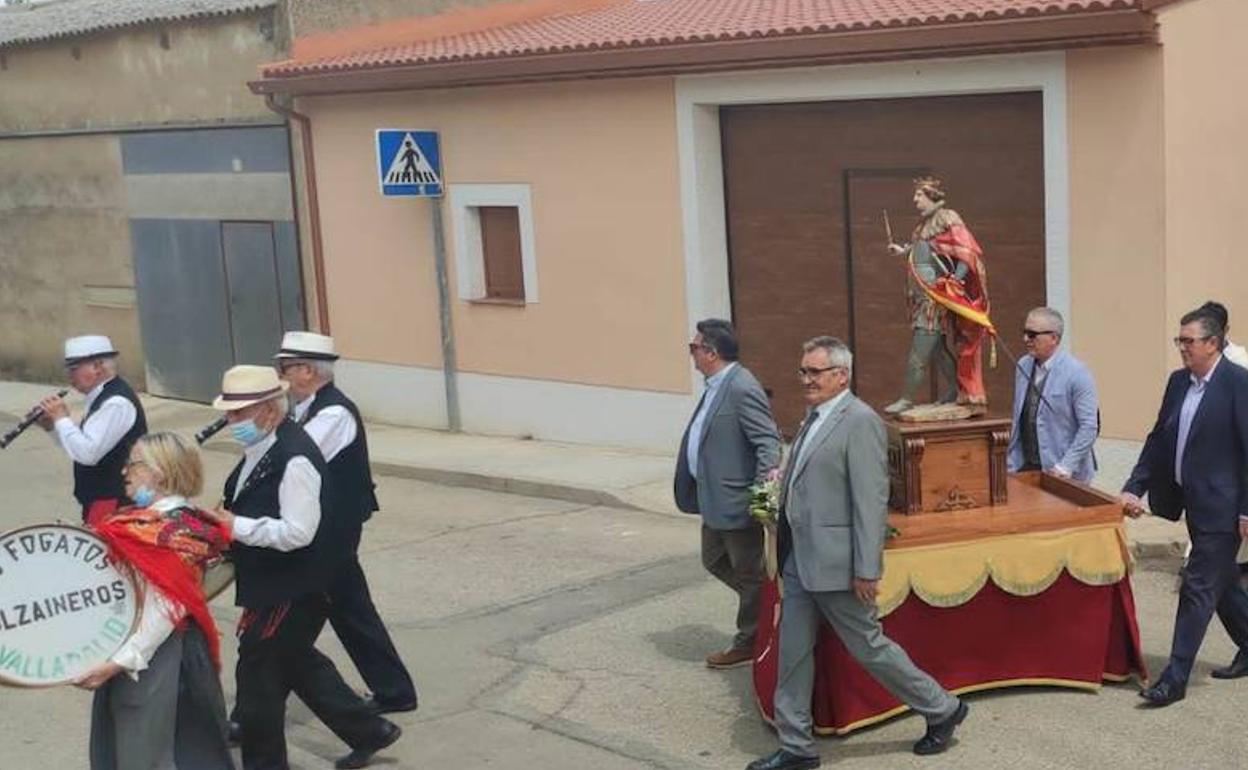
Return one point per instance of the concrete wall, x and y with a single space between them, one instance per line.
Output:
125 78
1118 230
65 254
312 16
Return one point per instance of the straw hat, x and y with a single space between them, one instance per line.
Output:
242 386
307 345
86 347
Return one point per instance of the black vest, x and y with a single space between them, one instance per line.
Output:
266 576
349 479
103 481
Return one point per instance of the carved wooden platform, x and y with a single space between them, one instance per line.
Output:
944 466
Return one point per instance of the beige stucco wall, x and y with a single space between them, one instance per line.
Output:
1206 159
1117 231
601 162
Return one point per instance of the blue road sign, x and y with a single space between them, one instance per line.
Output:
409 163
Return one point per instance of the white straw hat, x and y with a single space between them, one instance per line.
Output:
308 345
242 386
88 346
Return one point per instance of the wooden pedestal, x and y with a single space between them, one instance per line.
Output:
945 466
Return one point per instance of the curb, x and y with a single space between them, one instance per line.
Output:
484 481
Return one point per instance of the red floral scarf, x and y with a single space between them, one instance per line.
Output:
171 549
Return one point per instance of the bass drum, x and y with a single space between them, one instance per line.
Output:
218 577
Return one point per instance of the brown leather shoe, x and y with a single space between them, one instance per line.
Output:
730 658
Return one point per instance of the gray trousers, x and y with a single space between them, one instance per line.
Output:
735 556
930 348
859 630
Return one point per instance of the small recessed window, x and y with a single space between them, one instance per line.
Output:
495 256
500 249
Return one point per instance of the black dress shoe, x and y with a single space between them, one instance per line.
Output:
784 760
1238 667
1163 694
362 755
382 706
939 734
234 734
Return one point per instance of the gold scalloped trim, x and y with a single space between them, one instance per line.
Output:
951 574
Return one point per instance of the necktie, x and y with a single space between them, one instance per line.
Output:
796 450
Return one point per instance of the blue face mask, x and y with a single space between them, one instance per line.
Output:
144 496
246 432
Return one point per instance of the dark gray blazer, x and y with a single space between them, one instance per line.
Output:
740 444
834 516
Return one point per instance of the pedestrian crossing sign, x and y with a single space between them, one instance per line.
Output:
409 163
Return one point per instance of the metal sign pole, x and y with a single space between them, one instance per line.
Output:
449 364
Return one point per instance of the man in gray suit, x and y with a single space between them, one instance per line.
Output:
833 510
731 443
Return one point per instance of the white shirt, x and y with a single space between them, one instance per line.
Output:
333 428
160 615
821 412
299 503
1191 402
694 444
101 432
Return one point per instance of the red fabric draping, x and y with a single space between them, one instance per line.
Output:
1073 634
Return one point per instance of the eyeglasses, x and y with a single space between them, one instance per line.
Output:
285 366
694 347
1031 334
131 463
1187 342
812 372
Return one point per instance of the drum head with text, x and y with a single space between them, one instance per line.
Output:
64 606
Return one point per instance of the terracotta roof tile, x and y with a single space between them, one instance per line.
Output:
650 23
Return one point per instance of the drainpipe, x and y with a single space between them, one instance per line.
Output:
314 206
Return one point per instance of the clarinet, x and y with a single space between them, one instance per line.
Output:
208 431
27 421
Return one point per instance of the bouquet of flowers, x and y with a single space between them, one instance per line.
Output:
765 498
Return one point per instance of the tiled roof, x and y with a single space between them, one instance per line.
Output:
637 24
20 24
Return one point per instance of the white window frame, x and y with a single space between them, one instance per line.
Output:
465 199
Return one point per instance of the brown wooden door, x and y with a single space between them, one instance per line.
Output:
804 187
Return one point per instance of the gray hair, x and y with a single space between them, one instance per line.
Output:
838 352
1051 317
109 363
324 369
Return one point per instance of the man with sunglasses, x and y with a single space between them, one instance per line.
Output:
306 362
1055 404
100 445
1195 464
730 443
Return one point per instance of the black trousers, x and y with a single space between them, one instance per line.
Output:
1210 585
359 627
275 656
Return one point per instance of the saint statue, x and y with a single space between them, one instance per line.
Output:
947 296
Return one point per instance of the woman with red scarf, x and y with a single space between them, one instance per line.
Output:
158 701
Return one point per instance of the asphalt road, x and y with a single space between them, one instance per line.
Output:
545 634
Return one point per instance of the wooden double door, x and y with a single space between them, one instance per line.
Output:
806 189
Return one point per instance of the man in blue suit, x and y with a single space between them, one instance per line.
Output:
1195 461
1055 404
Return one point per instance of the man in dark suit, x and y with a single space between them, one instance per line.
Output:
1195 461
730 443
833 521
